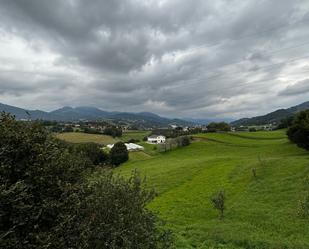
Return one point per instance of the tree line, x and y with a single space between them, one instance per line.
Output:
97 156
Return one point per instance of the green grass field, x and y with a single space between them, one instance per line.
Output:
79 137
260 212
139 135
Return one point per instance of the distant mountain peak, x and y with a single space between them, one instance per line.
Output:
65 108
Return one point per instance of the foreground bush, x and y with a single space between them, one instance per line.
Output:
118 217
46 202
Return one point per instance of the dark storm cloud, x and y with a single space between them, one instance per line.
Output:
178 58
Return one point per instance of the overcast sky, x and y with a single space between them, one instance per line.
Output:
177 58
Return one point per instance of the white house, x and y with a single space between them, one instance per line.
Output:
156 139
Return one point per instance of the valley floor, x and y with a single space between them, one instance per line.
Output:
260 212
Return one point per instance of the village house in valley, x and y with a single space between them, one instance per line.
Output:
156 139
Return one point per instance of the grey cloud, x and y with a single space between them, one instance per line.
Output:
20 83
177 58
300 87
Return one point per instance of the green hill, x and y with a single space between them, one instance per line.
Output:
261 212
273 117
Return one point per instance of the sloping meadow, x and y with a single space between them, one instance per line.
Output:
261 207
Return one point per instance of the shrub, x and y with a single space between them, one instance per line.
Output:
252 129
218 202
298 133
185 141
123 222
119 153
39 188
254 172
47 203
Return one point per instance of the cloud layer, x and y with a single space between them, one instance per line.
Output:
176 58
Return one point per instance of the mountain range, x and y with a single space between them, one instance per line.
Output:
141 119
83 113
273 117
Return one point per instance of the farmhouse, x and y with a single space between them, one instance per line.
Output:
156 139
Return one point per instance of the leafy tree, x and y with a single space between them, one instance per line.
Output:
218 201
252 129
298 133
93 151
119 153
46 201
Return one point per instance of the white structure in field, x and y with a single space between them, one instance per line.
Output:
156 139
130 146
